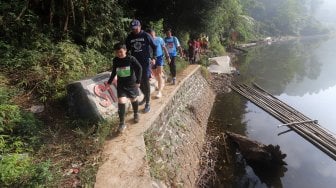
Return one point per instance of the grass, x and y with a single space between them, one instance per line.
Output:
81 146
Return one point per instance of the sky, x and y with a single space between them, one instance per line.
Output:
327 12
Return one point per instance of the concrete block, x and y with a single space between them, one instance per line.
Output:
90 99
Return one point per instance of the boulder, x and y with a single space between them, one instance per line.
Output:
221 65
90 99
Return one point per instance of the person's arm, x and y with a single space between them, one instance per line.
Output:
163 45
166 51
179 47
151 43
113 73
181 51
137 70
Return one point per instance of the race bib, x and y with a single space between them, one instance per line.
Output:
124 71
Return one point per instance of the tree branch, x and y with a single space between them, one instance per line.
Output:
73 11
22 11
66 10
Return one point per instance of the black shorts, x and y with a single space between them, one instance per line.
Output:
129 92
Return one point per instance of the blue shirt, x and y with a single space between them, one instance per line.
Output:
172 44
158 41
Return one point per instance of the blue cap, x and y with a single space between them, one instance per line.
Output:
135 24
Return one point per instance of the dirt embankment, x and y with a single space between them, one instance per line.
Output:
220 83
214 150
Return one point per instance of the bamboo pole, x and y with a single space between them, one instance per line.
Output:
317 130
294 110
314 129
297 116
279 110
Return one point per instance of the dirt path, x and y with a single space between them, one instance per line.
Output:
124 156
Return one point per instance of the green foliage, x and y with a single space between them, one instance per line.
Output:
205 72
158 27
216 48
18 170
50 71
17 130
19 135
181 64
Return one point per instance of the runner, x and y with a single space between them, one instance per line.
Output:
138 43
191 51
128 70
158 66
172 44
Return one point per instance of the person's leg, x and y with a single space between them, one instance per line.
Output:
159 76
145 84
155 73
172 67
159 73
135 106
121 113
145 88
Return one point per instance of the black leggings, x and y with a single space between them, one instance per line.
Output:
145 86
172 67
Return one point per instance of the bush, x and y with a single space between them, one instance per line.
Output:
18 130
18 170
216 48
48 74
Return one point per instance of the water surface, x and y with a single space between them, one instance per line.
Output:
301 73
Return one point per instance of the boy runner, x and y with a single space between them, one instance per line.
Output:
158 66
172 44
138 43
129 72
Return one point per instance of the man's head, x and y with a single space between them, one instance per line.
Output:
152 33
120 50
168 32
135 26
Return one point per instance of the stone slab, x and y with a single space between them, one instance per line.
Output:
221 65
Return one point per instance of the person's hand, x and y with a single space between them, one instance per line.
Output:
106 84
137 85
153 61
169 60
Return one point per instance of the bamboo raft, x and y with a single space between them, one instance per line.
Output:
309 129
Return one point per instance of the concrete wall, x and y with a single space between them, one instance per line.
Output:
174 141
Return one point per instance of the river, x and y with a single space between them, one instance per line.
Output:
301 73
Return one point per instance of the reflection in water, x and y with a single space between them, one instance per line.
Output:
301 73
275 66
